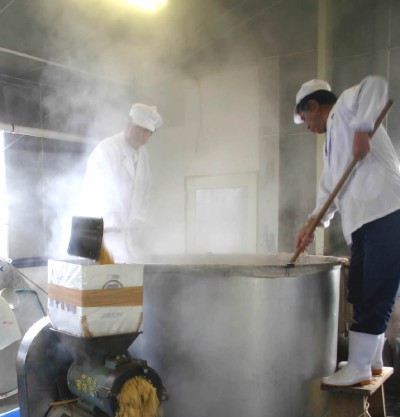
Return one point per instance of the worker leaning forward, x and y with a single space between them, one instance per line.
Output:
369 204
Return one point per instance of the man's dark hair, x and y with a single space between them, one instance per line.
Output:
320 96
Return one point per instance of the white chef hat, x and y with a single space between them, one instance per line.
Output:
146 116
305 90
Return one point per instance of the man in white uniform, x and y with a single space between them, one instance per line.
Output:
117 183
369 204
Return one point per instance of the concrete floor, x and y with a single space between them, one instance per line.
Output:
392 396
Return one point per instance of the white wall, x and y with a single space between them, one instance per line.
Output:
219 134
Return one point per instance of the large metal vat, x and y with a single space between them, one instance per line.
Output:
235 336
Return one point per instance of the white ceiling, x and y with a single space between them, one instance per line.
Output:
111 39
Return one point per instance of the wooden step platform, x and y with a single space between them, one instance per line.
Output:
352 401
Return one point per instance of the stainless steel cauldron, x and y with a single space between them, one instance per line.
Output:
241 335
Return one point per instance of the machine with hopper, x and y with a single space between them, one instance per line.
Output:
62 374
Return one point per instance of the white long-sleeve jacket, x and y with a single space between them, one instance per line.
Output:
116 187
373 188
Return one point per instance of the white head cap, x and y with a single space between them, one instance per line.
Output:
306 89
146 116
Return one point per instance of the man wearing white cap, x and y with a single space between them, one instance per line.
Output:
369 204
117 183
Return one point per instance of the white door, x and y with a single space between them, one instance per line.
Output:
221 213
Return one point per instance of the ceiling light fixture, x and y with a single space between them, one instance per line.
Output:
152 5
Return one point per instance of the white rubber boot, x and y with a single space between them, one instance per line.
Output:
362 348
377 362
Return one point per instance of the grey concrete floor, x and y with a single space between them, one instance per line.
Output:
392 397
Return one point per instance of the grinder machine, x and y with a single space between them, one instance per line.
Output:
62 375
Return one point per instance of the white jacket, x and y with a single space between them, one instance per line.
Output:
116 188
373 188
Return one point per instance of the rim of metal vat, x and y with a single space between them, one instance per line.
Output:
252 265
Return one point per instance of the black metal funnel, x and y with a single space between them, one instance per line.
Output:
86 237
95 350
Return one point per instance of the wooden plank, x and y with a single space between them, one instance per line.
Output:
343 404
377 403
367 390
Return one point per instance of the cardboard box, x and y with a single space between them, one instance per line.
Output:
86 299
